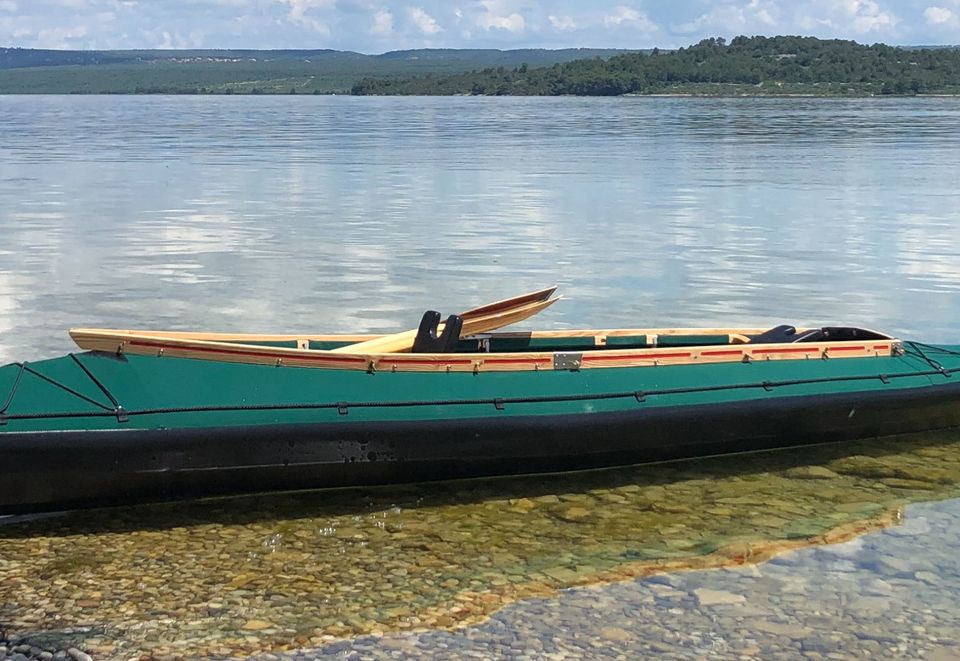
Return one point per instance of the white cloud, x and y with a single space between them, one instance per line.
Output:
867 16
60 37
624 15
382 23
498 15
562 23
299 8
366 25
940 16
423 21
755 16
845 18
764 14
301 13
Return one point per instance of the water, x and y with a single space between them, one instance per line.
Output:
347 215
342 214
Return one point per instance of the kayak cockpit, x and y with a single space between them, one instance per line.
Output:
473 341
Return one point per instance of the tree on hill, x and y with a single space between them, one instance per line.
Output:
747 61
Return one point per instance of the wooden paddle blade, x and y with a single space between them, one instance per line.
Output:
113 340
402 342
507 303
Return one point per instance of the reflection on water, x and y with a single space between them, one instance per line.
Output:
272 573
351 215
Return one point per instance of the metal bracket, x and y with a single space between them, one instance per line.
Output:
121 414
567 360
342 408
483 342
896 349
3 419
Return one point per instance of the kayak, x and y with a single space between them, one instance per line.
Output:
160 416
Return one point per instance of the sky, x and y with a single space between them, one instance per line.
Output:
375 26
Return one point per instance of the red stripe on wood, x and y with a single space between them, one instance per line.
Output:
637 356
799 350
721 353
425 361
517 360
847 348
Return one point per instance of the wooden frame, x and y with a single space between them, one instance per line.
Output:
232 348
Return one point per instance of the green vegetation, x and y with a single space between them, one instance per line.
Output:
28 71
747 65
755 66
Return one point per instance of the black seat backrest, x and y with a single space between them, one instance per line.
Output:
840 334
427 340
777 335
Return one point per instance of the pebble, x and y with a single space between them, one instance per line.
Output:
841 612
261 575
708 597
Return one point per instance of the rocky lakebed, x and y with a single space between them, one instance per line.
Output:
825 552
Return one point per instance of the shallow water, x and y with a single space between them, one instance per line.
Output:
340 214
271 573
890 595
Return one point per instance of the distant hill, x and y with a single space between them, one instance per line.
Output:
745 66
25 70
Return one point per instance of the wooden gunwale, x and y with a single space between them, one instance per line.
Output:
598 334
165 344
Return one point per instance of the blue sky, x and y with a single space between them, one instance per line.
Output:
373 26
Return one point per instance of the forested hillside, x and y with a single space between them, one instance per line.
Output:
24 71
746 65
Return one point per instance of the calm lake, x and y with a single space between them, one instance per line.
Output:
342 214
356 214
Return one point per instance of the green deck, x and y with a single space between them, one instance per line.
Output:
165 392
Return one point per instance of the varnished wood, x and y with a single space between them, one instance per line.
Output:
493 317
165 345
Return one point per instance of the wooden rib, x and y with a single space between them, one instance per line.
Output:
473 323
